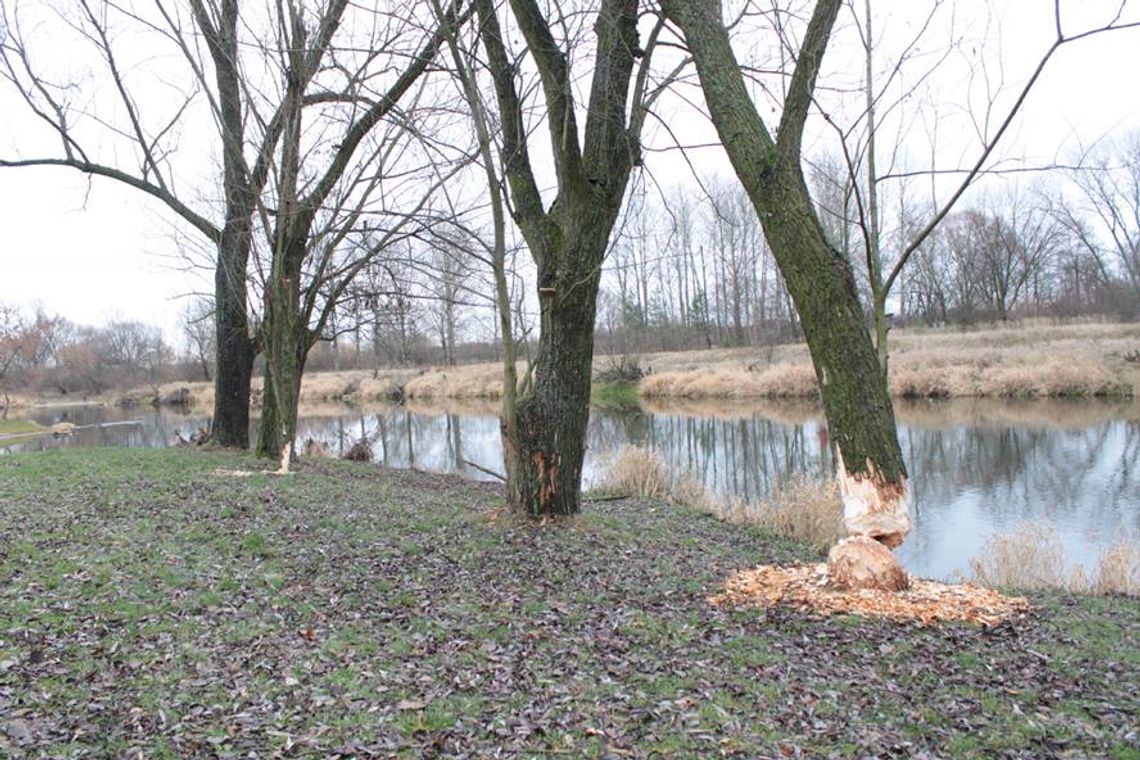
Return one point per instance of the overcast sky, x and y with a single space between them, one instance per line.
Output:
95 251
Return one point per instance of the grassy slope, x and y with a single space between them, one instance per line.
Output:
18 431
146 602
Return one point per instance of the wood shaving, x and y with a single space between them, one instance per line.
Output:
223 473
926 602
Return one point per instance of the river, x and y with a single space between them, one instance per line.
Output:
978 467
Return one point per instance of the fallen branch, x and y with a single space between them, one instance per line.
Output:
482 469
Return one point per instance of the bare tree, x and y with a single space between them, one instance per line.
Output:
769 164
198 329
569 237
281 91
851 372
1106 221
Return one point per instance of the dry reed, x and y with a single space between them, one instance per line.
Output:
638 471
802 509
1031 557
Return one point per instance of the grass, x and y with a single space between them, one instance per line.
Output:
21 427
1032 557
20 431
615 396
152 606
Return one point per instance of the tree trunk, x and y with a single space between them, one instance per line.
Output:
286 344
856 398
544 451
235 349
281 397
857 402
544 457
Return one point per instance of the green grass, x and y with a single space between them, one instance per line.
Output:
19 431
150 605
615 396
18 427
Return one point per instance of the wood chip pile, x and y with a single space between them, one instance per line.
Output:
926 602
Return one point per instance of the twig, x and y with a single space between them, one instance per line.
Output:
483 469
614 497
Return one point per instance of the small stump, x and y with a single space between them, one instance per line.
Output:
860 562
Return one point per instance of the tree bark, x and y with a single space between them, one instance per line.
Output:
857 402
235 348
543 452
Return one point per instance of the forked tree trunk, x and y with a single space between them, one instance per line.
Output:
544 432
860 417
545 453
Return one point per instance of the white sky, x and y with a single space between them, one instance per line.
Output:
95 251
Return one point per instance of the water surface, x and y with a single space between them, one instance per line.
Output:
977 468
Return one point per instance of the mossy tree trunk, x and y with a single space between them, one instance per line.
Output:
856 398
545 431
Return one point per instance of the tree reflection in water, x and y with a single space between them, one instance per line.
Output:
977 467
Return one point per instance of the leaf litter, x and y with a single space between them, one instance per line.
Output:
149 608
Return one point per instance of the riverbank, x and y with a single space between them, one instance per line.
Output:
160 602
1037 360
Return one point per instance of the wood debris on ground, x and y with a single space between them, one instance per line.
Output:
926 602
224 473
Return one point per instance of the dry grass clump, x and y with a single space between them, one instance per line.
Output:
1048 378
1118 571
789 381
466 382
352 386
778 381
1032 557
803 509
922 380
638 471
688 491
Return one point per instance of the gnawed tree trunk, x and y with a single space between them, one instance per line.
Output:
856 398
544 433
546 453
